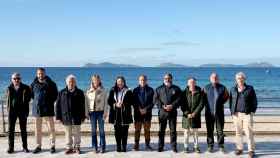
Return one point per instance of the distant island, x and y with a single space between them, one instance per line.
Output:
173 65
250 65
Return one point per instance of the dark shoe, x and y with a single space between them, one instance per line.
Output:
69 151
210 149
10 150
197 150
148 147
119 149
136 147
37 150
251 154
78 150
238 152
187 150
103 151
95 150
52 150
175 150
25 150
160 149
124 150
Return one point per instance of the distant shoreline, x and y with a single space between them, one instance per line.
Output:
172 65
138 67
162 65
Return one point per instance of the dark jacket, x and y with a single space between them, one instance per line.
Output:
18 101
44 96
250 97
192 104
123 115
147 103
218 104
70 107
167 96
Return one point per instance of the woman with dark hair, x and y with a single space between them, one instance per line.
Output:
97 110
120 101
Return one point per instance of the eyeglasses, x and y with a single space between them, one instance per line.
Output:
16 79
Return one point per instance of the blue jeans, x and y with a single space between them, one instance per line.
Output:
97 116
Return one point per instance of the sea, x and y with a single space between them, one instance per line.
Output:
266 81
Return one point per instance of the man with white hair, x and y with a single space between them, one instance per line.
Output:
70 111
243 105
18 98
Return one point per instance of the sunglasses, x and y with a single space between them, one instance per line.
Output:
16 79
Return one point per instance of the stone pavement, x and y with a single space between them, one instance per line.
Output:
267 146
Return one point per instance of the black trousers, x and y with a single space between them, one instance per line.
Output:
121 134
172 122
211 122
12 123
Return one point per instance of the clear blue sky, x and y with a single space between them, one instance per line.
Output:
143 32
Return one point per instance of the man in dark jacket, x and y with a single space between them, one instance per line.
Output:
44 93
18 98
143 105
216 96
70 110
243 105
167 98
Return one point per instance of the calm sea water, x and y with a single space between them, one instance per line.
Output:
267 84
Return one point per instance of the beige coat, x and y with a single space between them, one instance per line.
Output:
96 100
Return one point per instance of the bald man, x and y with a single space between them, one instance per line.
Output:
216 96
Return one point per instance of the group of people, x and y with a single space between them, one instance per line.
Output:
71 106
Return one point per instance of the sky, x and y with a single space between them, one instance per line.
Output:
141 32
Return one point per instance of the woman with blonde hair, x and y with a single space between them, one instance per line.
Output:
97 110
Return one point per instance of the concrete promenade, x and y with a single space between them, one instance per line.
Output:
267 146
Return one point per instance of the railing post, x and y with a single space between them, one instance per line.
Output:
3 117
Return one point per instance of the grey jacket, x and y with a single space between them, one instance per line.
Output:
96 100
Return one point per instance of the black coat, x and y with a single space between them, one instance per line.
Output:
18 101
44 96
70 107
167 96
249 94
123 115
219 104
147 103
192 103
